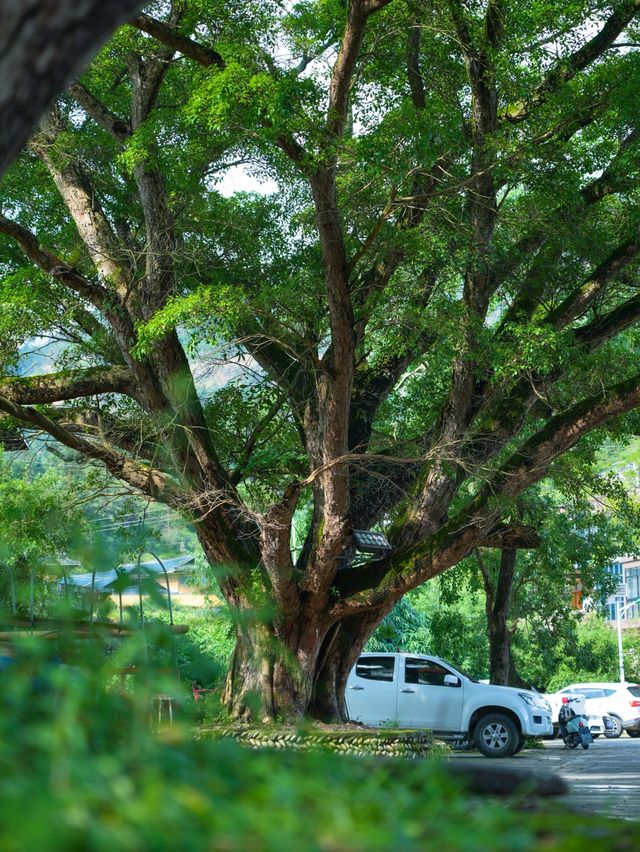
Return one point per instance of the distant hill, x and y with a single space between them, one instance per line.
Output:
624 460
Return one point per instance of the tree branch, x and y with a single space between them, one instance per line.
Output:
603 328
519 536
275 535
83 204
116 127
42 46
50 263
494 24
581 299
239 470
614 179
202 54
414 73
567 67
411 565
145 479
344 67
68 384
136 439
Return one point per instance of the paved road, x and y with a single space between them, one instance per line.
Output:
605 779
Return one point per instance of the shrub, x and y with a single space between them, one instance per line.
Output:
82 769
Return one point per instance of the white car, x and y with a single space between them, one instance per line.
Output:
417 691
619 701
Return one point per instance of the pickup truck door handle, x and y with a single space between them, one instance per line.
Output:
357 688
407 690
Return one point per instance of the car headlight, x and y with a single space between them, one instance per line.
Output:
534 701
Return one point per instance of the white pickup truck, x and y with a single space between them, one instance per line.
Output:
416 691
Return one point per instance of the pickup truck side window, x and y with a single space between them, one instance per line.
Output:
376 668
424 671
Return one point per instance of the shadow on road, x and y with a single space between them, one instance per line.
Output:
603 780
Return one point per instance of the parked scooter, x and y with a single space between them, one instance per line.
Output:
574 723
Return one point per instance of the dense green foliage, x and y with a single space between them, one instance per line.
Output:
587 517
82 770
37 526
579 647
426 303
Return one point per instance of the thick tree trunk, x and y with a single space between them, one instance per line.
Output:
272 676
265 681
43 44
342 647
499 652
498 601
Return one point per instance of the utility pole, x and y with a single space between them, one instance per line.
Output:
619 614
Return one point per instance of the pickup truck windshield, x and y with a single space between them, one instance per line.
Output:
464 674
420 670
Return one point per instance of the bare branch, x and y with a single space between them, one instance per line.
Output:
201 53
116 127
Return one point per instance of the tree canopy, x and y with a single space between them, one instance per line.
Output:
437 301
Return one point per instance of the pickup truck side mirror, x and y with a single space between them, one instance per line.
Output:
451 680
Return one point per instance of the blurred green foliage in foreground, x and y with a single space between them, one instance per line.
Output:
83 766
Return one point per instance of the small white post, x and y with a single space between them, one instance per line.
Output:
620 612
620 654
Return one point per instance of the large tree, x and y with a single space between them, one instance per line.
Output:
440 300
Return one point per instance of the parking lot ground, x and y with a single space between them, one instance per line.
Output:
604 780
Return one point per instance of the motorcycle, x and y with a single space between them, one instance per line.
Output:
574 724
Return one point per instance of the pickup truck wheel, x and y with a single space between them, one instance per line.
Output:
496 736
616 731
520 745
